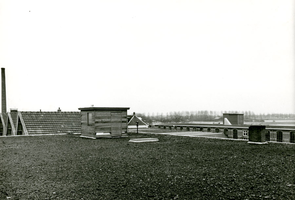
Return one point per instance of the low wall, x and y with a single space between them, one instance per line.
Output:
279 135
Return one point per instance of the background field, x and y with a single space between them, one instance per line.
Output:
68 167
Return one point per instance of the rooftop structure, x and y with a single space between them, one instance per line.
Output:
233 119
31 123
103 121
134 121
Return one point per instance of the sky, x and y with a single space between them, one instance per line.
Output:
155 56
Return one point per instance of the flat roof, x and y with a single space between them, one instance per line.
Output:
104 109
233 113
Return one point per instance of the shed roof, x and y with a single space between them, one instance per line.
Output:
233 114
104 109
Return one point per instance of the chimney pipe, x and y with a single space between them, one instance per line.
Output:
3 91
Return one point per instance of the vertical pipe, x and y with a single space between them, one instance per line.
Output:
3 91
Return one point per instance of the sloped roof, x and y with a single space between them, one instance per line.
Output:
14 118
51 122
3 119
11 123
134 119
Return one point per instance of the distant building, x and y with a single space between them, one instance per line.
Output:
133 120
233 119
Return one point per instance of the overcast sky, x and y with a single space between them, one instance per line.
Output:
152 56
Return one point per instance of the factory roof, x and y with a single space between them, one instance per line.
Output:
29 123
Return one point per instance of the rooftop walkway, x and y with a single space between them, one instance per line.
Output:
205 135
191 134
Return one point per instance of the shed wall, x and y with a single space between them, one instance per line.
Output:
113 122
87 129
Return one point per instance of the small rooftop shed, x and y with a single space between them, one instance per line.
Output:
103 121
233 119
